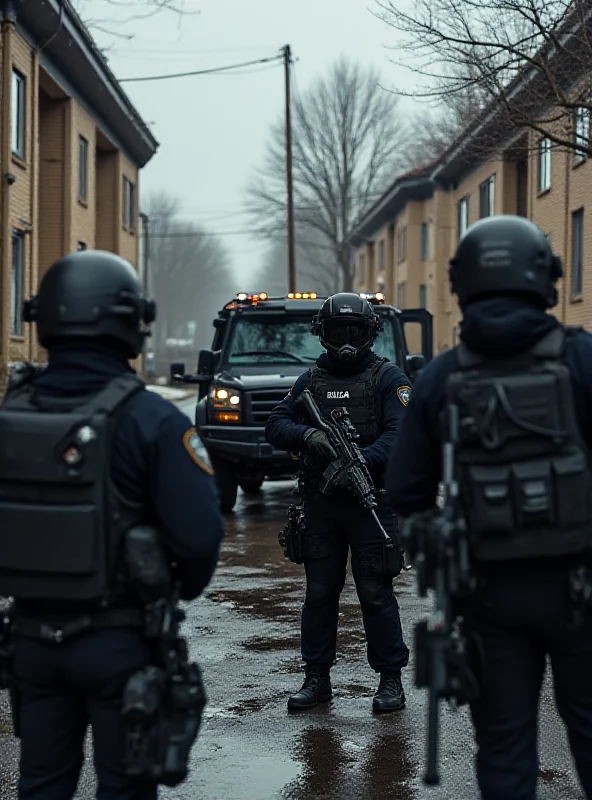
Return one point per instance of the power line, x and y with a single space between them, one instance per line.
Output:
211 71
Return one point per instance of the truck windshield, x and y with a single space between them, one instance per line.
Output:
288 340
281 339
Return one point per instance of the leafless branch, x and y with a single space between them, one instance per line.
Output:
347 144
115 14
528 61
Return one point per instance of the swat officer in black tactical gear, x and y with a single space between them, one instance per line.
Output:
520 385
375 393
89 455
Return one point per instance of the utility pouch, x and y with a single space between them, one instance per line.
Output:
392 559
292 536
162 713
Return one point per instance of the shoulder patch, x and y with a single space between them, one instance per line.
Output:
404 393
196 449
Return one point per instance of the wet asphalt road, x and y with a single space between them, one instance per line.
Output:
245 634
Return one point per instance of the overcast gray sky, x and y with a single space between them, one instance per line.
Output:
213 129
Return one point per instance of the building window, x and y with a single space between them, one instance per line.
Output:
487 198
82 168
577 252
381 255
18 112
463 216
544 164
402 244
423 295
581 134
362 275
18 283
402 295
425 241
129 205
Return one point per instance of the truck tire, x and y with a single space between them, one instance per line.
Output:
251 485
227 483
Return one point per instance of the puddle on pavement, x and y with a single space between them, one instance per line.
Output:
273 603
268 644
352 762
550 775
245 707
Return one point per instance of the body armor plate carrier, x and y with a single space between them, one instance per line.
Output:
359 393
525 481
61 519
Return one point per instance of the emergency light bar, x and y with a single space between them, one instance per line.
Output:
246 299
302 296
373 297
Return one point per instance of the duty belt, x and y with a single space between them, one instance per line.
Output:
112 618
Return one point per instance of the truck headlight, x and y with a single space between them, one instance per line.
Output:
223 397
225 404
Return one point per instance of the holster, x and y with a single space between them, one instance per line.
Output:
162 712
392 559
291 538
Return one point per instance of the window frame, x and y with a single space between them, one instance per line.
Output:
129 205
425 241
17 283
487 189
580 157
463 203
83 145
402 295
18 115
544 164
577 255
423 295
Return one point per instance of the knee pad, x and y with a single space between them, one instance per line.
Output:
319 595
374 595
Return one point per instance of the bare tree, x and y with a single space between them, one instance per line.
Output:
437 125
531 60
120 18
190 275
347 145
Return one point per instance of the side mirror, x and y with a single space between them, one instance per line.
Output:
206 363
415 362
177 372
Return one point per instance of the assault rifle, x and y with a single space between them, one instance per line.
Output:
438 542
342 436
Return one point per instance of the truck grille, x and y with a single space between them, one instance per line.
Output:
262 402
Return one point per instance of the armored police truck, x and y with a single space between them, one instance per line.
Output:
261 345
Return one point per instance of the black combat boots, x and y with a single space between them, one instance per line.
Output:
389 695
315 689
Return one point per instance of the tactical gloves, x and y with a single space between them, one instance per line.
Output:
318 442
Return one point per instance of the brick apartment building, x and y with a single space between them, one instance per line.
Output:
404 242
71 147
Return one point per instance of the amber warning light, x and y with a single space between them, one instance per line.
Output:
302 296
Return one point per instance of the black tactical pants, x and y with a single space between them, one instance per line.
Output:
333 527
62 688
520 617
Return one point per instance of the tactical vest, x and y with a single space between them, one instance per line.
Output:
358 393
61 518
524 479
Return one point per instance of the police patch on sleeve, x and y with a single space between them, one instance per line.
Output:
404 393
196 449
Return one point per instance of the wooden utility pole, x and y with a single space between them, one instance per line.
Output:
287 53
